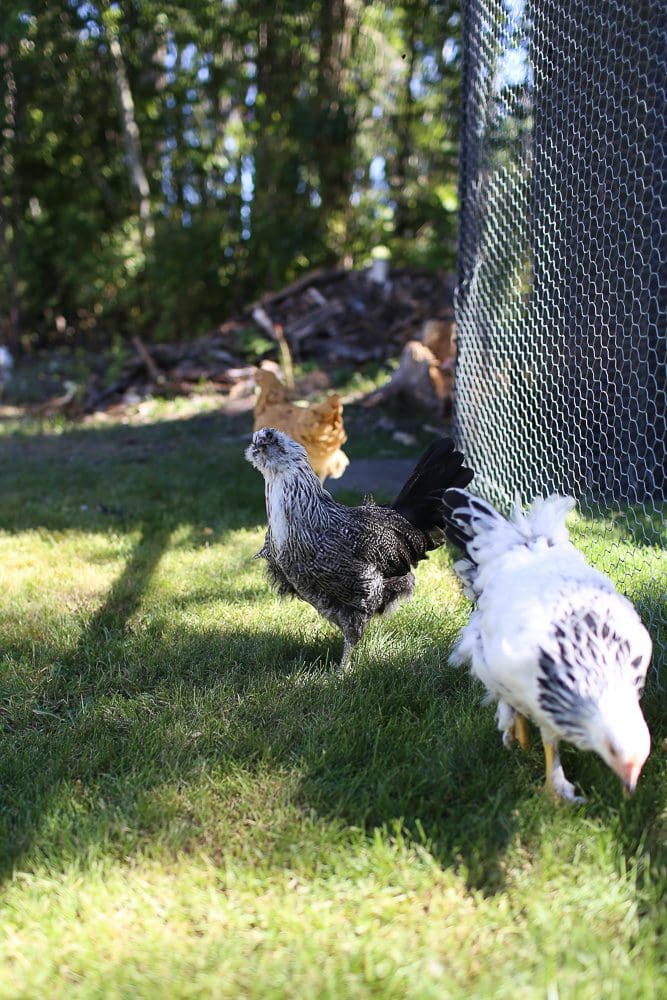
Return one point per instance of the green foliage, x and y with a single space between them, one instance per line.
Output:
252 345
255 127
185 785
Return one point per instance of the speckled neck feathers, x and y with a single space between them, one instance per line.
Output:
295 504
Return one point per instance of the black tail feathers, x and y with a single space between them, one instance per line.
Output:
460 510
457 518
420 502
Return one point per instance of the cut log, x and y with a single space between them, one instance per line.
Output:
439 335
419 379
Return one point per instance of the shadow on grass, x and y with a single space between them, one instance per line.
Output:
124 716
128 711
189 471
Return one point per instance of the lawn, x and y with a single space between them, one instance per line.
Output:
194 805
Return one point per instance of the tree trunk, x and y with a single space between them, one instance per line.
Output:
9 215
131 138
404 136
335 113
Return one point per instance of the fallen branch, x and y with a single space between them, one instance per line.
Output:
313 321
152 369
319 275
275 331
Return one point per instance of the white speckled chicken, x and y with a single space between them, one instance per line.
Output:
550 638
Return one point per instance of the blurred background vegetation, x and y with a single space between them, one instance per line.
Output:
165 163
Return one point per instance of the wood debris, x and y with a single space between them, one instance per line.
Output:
425 374
334 317
343 317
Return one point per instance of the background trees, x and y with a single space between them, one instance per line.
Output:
162 163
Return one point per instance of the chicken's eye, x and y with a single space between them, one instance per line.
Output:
613 750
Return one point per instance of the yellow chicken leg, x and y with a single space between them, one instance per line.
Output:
520 731
512 724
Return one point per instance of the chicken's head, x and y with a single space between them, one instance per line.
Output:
621 737
276 454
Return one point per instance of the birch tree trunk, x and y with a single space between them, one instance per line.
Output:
131 137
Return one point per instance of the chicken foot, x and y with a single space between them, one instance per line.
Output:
557 785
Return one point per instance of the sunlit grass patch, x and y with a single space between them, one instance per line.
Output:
194 804
379 917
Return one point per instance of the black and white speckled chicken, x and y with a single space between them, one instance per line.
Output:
350 563
551 638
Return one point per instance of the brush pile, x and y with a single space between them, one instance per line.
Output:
335 318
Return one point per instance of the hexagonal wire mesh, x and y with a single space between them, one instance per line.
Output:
560 304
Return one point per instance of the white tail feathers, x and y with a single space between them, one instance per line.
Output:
487 535
545 518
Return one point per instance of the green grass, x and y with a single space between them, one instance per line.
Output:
193 805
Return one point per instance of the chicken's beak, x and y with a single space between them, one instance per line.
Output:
630 776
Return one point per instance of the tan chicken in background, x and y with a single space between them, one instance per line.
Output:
317 426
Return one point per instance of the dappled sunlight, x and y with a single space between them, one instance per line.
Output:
53 583
42 561
446 215
218 563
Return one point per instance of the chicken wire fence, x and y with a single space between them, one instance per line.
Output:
560 303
